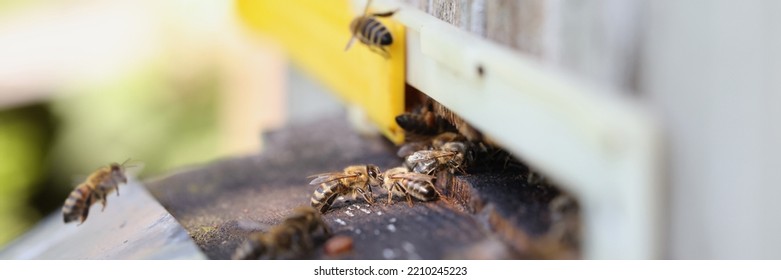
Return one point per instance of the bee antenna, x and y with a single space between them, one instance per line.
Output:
366 9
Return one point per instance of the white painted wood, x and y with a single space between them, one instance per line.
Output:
712 69
602 147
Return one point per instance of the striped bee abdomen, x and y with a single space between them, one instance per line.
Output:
374 32
76 206
421 190
371 32
325 194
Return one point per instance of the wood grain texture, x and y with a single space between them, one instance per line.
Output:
517 24
599 40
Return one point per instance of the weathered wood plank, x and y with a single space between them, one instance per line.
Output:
221 203
598 40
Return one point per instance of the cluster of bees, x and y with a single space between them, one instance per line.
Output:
414 179
293 237
295 234
434 147
94 189
358 180
438 141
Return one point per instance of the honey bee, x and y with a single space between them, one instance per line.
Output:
463 127
355 180
293 238
434 143
450 157
371 32
422 125
95 189
434 114
402 182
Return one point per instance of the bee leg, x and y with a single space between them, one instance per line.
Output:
103 201
378 50
406 194
436 190
85 212
371 195
409 200
390 196
366 197
327 204
385 14
381 51
83 216
390 193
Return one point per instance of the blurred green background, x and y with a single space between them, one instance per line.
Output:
84 83
48 147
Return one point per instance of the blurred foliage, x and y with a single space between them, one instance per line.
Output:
161 111
153 115
10 6
25 135
147 116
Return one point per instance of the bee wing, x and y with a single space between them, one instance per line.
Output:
331 176
350 43
427 155
366 8
352 38
410 148
413 176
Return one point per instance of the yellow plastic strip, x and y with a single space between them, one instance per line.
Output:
314 34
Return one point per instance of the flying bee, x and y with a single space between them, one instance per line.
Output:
371 32
355 180
450 157
95 189
402 182
293 238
